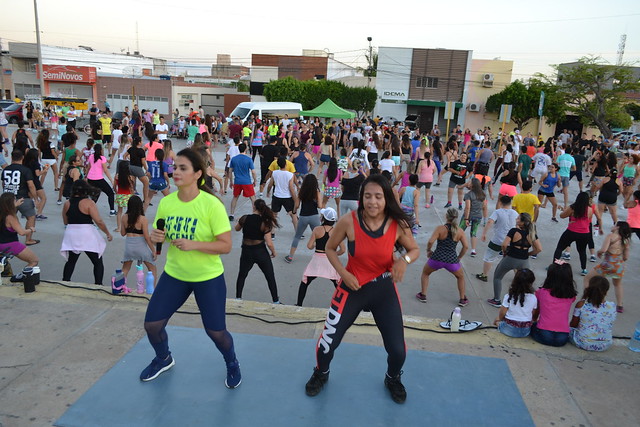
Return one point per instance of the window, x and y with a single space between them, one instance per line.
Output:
23 89
30 65
427 82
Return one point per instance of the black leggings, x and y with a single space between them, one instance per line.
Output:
256 254
581 239
255 150
381 297
105 188
302 290
96 260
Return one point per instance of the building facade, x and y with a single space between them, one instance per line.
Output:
420 82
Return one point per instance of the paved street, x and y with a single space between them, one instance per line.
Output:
442 294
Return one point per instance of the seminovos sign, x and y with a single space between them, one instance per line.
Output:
69 73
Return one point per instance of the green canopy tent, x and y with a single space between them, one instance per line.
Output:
328 109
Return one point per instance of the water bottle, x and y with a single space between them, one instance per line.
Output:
117 282
149 282
140 278
455 319
634 342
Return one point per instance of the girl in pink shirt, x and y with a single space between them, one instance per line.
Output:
95 177
555 298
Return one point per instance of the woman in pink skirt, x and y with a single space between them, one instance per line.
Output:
319 266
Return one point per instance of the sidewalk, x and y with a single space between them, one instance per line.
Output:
57 342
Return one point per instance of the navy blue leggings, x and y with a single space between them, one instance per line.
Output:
168 297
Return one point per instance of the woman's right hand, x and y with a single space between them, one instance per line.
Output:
157 236
350 281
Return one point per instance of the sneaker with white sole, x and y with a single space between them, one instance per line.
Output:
566 256
593 258
156 367
473 253
494 302
421 297
234 377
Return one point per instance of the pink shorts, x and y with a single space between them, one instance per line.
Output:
508 190
316 149
12 248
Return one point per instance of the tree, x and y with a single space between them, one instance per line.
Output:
634 110
594 91
525 99
311 93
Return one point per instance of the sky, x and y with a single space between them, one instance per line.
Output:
532 34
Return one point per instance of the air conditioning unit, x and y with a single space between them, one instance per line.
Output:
487 80
474 107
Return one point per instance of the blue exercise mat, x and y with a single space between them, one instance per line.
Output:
442 389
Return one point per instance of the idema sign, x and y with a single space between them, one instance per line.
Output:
69 73
396 96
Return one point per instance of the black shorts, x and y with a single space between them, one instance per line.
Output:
277 203
577 174
106 139
543 193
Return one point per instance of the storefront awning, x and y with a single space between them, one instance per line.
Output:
422 103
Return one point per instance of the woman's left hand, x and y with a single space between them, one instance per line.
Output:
183 244
398 270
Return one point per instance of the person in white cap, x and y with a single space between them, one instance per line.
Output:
319 266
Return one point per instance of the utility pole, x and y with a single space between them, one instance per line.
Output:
1 72
370 69
41 67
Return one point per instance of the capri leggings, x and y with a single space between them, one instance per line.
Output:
381 297
506 265
311 221
168 297
104 187
582 241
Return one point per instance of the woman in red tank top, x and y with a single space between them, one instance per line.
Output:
368 280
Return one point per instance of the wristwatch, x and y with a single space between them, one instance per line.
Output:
406 259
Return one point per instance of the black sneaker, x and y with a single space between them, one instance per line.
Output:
234 378
398 393
230 217
316 382
156 367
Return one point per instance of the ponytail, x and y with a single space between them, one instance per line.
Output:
268 217
452 220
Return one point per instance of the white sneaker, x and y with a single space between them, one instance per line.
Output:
473 254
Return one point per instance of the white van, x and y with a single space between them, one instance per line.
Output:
266 110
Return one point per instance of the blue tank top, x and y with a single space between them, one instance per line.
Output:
407 196
550 182
301 163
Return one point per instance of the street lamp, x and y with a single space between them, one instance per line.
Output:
370 69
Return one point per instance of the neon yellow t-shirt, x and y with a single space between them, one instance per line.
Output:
201 220
106 125
246 132
273 130
525 202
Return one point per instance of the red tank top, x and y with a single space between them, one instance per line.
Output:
372 256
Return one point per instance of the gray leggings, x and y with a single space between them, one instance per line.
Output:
312 221
347 206
504 266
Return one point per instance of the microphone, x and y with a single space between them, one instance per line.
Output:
159 226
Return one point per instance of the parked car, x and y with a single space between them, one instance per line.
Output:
13 113
5 103
412 121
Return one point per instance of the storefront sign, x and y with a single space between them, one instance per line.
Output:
69 73
395 96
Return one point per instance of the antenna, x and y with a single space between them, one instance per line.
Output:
137 40
623 41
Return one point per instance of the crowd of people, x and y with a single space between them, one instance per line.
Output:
359 180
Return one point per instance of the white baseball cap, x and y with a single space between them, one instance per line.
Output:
329 214
93 102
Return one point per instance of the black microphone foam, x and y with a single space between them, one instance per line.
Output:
159 226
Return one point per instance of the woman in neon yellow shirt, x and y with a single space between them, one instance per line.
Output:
197 228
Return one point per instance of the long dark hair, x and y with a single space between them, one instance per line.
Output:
198 164
124 175
560 281
31 157
309 188
97 152
269 219
581 205
81 189
521 285
624 231
597 290
332 169
7 208
42 141
134 211
391 207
